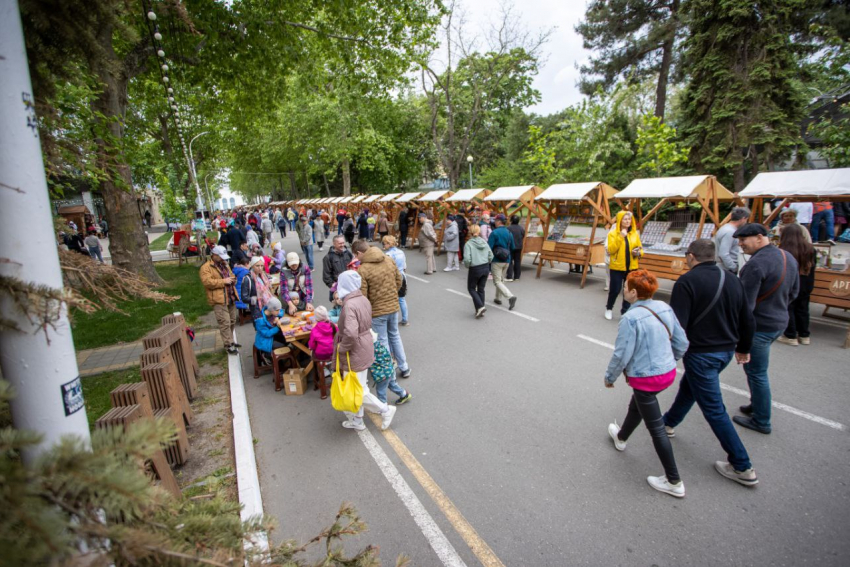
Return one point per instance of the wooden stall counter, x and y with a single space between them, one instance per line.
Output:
667 266
573 252
832 289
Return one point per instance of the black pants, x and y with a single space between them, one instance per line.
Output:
515 267
476 283
618 278
798 310
402 236
644 407
282 229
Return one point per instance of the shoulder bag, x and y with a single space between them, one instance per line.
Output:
716 297
663 324
772 290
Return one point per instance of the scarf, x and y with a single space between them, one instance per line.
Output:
264 293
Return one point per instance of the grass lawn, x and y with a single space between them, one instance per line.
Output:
105 327
96 388
161 242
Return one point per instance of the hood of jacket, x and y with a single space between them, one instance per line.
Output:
372 256
478 243
620 216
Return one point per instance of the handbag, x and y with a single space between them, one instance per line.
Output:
501 254
346 393
402 291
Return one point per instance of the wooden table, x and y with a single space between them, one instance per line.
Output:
832 289
299 339
577 254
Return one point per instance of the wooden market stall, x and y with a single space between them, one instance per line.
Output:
79 215
512 200
667 260
580 203
832 274
434 201
394 207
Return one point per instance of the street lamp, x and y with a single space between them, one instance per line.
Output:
469 159
209 195
195 174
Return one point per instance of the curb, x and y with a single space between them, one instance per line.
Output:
247 478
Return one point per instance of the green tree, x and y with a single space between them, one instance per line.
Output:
743 103
658 152
633 39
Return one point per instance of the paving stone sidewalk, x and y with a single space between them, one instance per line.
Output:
123 356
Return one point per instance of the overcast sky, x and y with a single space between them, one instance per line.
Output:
559 74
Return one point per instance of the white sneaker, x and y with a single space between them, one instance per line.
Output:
447 269
670 431
605 288
456 268
661 484
354 425
805 340
747 477
387 418
480 312
787 341
609 314
613 430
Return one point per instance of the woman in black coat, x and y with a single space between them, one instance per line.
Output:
363 226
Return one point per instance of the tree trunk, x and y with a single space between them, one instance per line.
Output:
292 185
128 243
738 173
666 61
346 177
327 189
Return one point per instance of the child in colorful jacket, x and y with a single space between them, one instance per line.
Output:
384 374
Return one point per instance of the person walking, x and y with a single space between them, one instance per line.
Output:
518 232
625 249
281 224
484 223
391 249
267 227
305 236
348 229
451 241
710 305
219 282
770 284
728 251
290 216
477 257
403 226
355 350
340 219
93 245
363 226
381 281
649 342
501 242
793 241
463 232
335 262
383 226
319 231
427 242
104 228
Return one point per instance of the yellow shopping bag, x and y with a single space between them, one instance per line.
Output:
346 393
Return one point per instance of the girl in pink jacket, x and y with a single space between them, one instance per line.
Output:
322 336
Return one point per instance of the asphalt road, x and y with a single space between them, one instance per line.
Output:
509 418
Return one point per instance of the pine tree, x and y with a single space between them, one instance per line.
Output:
635 38
743 103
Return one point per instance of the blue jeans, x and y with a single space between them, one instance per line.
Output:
308 253
701 384
392 384
402 303
94 251
829 216
387 328
292 225
757 378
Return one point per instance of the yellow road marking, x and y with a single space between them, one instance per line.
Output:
478 546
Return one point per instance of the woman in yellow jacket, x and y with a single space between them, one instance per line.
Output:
624 248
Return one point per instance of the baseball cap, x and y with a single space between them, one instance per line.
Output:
501 217
750 229
221 252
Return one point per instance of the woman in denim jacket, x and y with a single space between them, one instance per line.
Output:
649 342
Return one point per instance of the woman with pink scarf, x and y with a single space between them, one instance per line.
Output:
256 288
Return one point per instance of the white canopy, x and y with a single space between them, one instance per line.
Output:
358 198
372 199
466 195
509 193
433 195
573 191
347 199
806 183
390 197
686 187
407 197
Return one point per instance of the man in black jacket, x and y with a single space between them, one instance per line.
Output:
710 305
518 232
335 262
771 281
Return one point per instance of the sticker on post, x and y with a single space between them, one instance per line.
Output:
72 396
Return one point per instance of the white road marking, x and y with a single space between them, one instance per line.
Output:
436 538
727 387
499 307
417 279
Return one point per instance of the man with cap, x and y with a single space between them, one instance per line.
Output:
305 236
427 242
501 242
727 247
296 285
220 284
451 241
771 281
335 262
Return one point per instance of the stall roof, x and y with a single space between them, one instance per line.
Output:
574 191
358 198
806 183
372 199
467 195
74 210
434 195
346 199
407 197
687 187
510 193
390 197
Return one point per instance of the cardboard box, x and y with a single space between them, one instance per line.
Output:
294 382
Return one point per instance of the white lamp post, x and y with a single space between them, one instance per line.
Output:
469 160
195 175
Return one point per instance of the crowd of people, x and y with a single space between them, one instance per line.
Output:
741 294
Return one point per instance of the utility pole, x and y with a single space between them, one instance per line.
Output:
43 372
195 174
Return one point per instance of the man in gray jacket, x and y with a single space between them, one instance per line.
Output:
728 250
771 281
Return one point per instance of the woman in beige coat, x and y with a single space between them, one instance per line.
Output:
427 242
354 343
